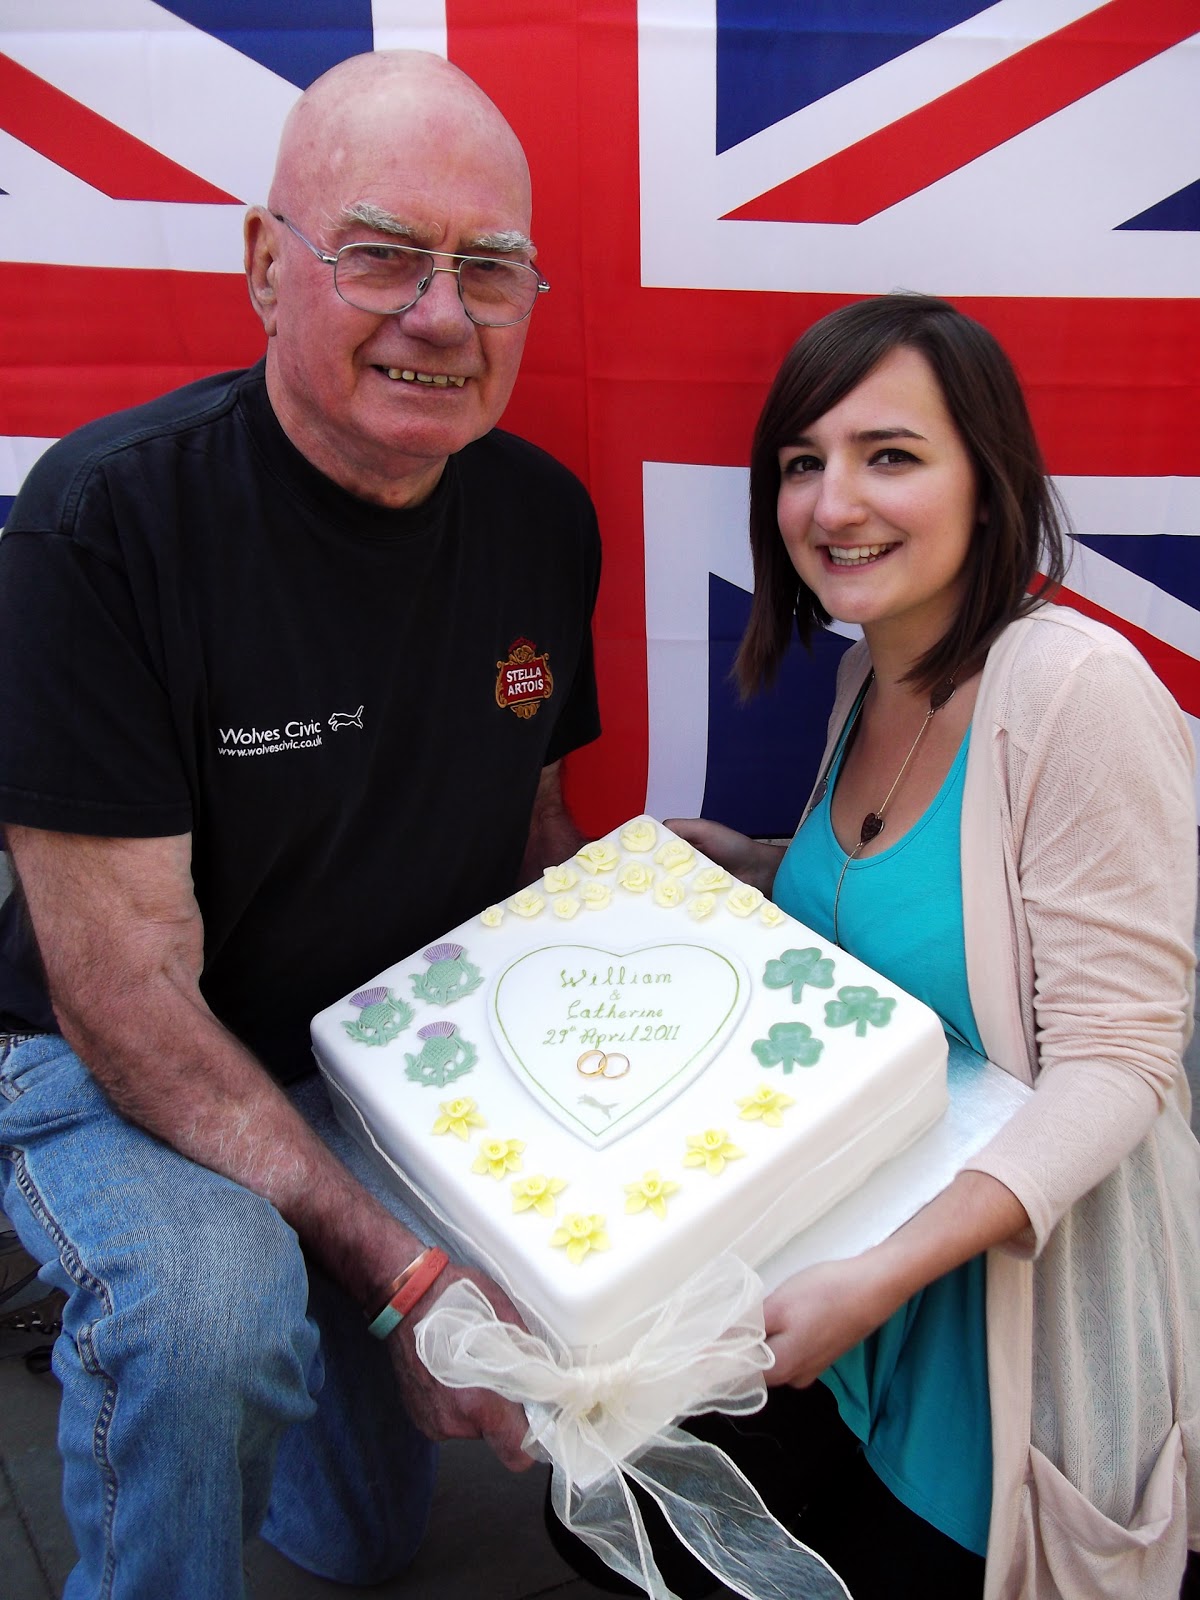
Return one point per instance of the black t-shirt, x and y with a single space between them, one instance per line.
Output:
348 708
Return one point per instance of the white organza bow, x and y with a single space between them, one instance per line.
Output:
606 1425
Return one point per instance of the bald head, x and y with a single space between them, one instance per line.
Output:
395 145
423 112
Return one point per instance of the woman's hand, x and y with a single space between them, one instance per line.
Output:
822 1312
819 1314
747 859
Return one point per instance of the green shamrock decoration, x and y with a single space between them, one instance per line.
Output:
444 1056
381 1017
788 1045
795 968
859 1006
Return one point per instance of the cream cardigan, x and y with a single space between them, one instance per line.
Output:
1079 880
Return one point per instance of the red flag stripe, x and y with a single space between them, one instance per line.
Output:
91 147
1109 381
144 332
1179 671
966 122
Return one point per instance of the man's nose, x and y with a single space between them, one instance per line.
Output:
437 314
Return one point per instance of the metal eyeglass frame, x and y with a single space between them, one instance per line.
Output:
332 261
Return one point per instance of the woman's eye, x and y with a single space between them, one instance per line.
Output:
797 466
893 457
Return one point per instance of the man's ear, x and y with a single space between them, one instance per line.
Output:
261 266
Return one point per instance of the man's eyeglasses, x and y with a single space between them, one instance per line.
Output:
388 278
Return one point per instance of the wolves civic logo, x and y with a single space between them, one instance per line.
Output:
524 680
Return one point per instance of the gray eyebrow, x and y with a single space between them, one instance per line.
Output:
508 242
372 216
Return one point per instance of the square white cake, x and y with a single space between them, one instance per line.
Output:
625 1069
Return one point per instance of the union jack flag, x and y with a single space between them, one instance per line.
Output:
709 178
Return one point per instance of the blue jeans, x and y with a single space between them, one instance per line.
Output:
214 1386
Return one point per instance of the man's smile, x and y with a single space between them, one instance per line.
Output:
439 380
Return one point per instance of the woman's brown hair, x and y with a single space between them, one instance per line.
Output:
1021 531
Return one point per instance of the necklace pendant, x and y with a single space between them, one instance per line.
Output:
941 695
872 827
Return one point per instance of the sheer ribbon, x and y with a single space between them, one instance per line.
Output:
607 1425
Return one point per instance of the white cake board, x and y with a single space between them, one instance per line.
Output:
982 1099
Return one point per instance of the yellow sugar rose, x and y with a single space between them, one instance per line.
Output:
595 896
650 1192
766 1105
457 1116
635 876
564 906
557 880
669 892
580 1234
526 903
701 906
536 1193
492 916
639 836
498 1157
599 856
744 901
711 880
711 1149
676 856
770 915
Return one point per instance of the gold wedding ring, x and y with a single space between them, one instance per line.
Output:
603 1064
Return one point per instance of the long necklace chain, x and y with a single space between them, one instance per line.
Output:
873 822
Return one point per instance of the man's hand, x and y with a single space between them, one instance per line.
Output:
443 1413
553 836
748 859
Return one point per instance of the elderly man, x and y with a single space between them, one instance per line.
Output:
252 749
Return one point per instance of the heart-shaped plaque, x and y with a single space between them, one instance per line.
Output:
602 1039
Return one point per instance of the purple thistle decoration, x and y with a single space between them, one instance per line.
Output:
443 952
437 1030
369 997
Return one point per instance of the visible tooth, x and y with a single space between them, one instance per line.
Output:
439 380
857 553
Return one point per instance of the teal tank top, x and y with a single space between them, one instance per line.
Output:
916 1391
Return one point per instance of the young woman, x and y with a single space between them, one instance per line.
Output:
1005 826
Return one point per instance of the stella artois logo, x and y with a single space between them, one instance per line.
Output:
524 680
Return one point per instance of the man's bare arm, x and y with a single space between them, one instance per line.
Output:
553 836
121 939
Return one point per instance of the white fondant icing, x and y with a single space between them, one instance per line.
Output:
865 1098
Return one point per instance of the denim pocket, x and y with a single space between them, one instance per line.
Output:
21 1061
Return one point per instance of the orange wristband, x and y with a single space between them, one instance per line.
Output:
406 1290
